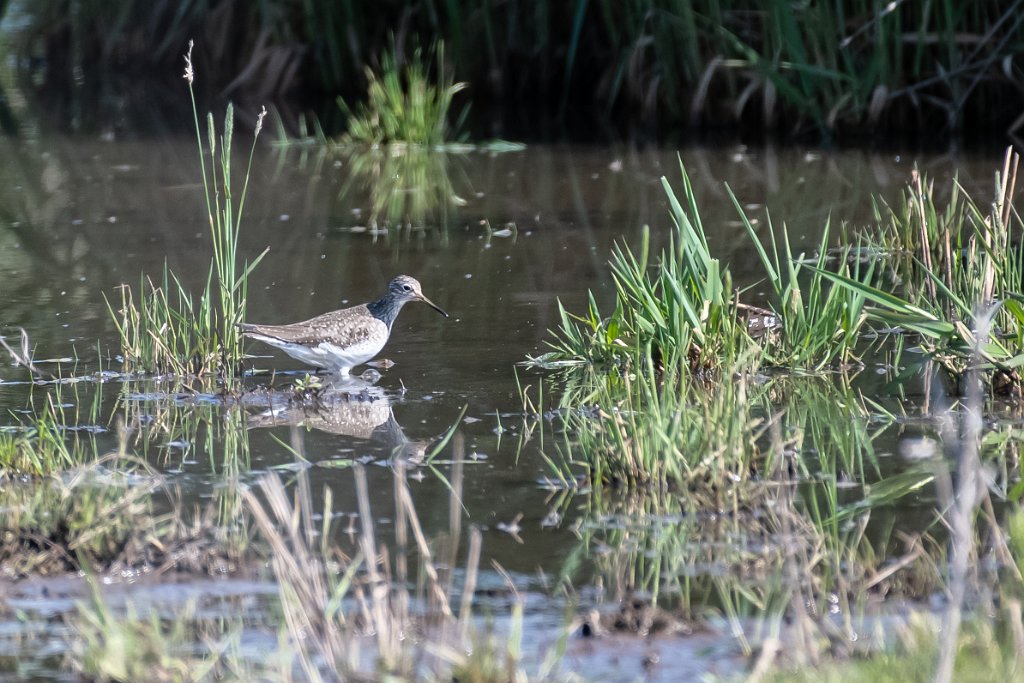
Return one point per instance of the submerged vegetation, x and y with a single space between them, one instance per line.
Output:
109 512
640 438
38 449
782 522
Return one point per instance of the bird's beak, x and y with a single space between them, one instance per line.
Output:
433 305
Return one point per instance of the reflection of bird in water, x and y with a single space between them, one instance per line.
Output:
339 340
347 406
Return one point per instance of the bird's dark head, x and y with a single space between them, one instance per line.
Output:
404 288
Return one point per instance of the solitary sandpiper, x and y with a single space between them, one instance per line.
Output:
339 340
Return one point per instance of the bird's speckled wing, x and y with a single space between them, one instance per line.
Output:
345 328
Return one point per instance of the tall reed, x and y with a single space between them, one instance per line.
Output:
166 331
826 66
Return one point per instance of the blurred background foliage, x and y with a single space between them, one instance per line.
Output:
537 68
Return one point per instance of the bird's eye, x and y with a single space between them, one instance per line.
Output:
407 288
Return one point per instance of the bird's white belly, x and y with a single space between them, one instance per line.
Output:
333 357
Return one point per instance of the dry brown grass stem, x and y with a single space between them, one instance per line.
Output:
373 586
24 356
925 244
421 542
962 505
304 594
469 588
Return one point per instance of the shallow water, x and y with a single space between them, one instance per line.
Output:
495 239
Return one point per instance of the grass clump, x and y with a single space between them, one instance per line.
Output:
671 439
938 272
404 104
682 311
67 505
108 516
785 521
53 526
113 649
983 653
814 323
109 646
41 444
717 442
956 269
38 451
167 331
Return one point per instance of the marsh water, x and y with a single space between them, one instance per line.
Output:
496 239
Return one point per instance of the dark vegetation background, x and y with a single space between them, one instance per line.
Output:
926 70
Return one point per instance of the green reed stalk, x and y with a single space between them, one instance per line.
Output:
231 277
179 337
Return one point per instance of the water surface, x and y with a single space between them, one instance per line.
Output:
496 240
